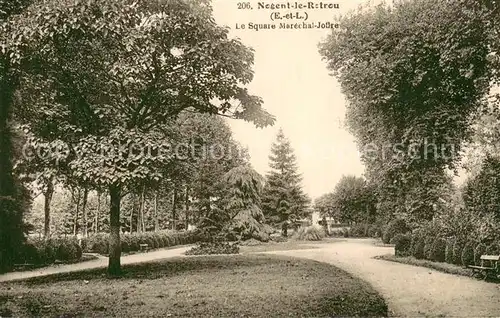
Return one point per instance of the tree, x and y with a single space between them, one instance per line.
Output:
352 200
413 75
118 74
240 213
482 192
283 197
12 195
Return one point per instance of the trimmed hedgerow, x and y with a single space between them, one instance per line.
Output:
131 242
38 252
419 245
438 250
478 251
493 249
402 244
458 247
468 253
448 254
394 227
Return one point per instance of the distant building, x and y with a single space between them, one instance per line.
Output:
317 218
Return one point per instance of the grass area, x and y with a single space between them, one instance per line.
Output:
236 286
29 267
442 267
286 246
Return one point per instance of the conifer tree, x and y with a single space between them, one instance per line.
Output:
283 197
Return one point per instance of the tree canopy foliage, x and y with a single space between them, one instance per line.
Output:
414 74
352 200
283 197
109 80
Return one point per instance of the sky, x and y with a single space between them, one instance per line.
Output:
296 87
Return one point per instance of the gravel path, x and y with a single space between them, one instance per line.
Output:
410 291
98 263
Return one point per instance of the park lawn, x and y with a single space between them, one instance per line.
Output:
442 267
229 286
287 246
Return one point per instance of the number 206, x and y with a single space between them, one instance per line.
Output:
244 5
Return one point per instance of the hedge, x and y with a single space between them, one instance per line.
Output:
468 253
418 249
131 242
39 252
492 249
438 250
478 251
402 243
458 247
394 227
449 250
428 243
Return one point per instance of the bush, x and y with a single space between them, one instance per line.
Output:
97 243
346 232
359 230
374 231
438 250
492 249
310 233
131 242
419 245
402 244
210 248
478 251
458 247
428 243
468 254
448 253
397 226
68 251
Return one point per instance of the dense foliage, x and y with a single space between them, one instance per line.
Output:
130 242
40 252
414 73
309 233
117 75
283 198
351 201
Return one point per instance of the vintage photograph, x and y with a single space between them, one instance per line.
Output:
247 158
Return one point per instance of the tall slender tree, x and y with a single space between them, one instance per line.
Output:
283 197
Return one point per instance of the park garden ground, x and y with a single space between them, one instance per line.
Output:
297 278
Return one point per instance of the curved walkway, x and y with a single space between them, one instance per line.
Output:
101 262
410 291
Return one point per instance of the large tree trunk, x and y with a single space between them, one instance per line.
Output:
97 212
49 191
114 266
132 212
77 212
84 212
186 204
140 216
155 210
174 209
11 229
